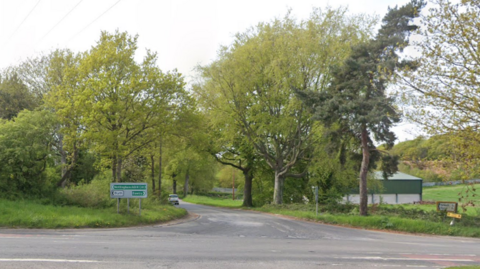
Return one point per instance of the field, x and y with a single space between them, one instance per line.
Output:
451 194
203 200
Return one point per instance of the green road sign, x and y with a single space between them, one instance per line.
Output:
138 193
130 186
128 190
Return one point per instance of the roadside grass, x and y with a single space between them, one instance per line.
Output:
410 219
417 222
32 214
465 267
213 201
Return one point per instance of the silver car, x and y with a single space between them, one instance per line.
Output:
173 198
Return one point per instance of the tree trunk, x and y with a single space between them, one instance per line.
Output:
152 159
63 156
247 190
185 186
114 168
160 170
278 189
174 184
363 173
68 170
119 169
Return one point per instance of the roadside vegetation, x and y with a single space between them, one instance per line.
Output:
213 201
410 218
464 267
34 214
85 206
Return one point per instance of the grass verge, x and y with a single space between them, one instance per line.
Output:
31 214
213 201
465 267
414 223
388 217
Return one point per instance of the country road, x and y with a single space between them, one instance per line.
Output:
222 238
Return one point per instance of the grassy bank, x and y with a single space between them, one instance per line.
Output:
465 267
398 219
31 214
213 201
411 218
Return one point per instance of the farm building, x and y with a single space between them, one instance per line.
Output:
400 188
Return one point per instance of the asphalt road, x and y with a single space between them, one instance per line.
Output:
220 238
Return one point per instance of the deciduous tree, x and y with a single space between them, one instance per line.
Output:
253 82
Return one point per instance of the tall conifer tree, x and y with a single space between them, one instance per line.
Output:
357 96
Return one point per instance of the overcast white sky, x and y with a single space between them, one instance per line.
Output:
185 33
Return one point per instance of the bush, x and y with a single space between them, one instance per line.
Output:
96 194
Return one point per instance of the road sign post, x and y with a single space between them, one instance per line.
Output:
315 192
128 190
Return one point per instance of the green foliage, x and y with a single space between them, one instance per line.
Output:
357 98
84 169
426 175
95 194
445 94
227 175
435 159
250 88
26 153
213 201
334 166
31 214
422 149
116 104
446 84
14 96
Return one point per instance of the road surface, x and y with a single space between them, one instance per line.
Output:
222 238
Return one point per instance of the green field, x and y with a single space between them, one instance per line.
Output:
204 200
448 193
451 194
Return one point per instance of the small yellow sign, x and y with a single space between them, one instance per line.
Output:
453 215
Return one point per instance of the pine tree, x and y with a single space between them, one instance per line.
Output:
357 96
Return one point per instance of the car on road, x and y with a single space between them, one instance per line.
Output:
173 199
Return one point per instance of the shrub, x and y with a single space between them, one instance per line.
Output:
96 194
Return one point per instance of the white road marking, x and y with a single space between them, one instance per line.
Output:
405 259
47 260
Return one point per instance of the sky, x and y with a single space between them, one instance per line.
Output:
184 33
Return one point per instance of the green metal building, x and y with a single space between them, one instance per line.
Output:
400 188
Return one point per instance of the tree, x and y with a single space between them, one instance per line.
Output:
253 83
25 152
444 92
123 102
357 96
60 89
34 73
227 145
14 96
447 81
